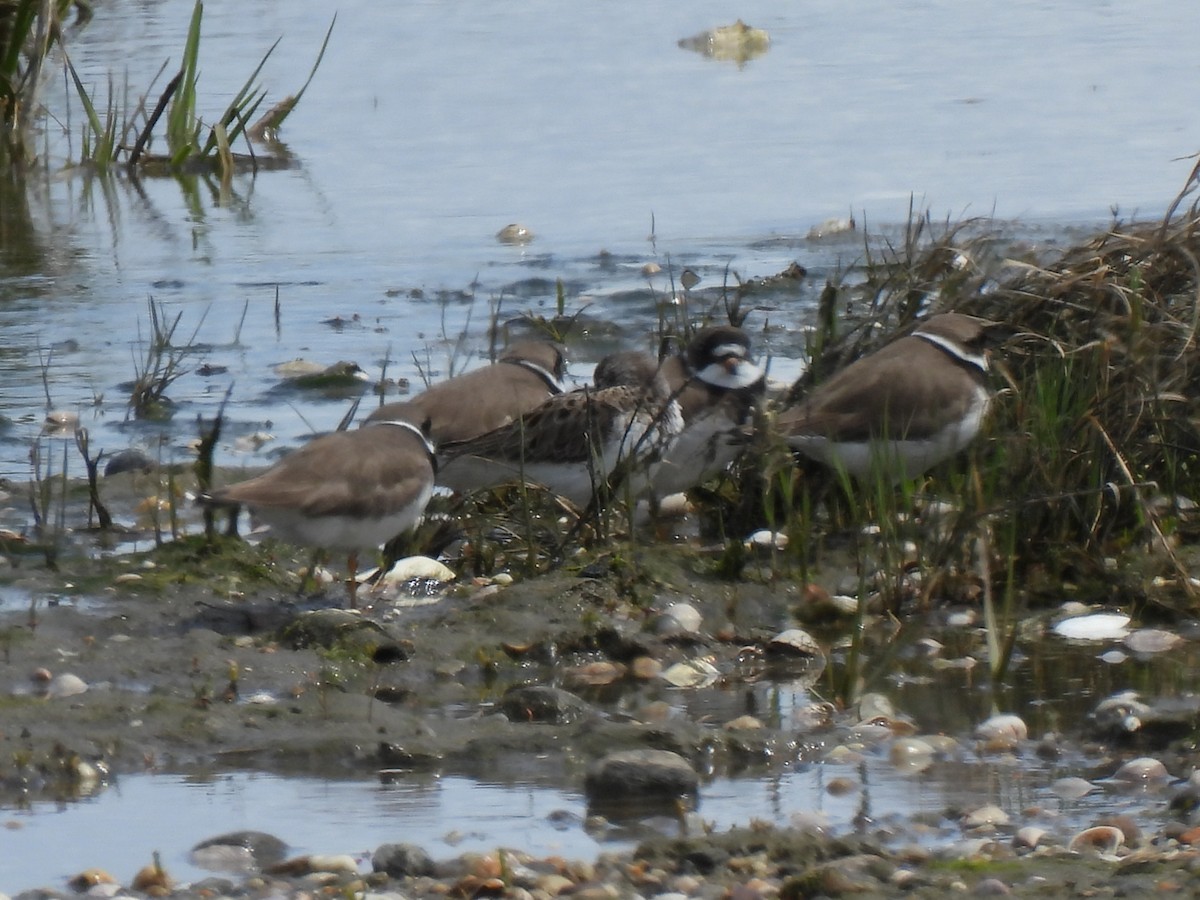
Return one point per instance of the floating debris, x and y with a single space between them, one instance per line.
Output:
831 228
514 234
129 460
60 423
737 43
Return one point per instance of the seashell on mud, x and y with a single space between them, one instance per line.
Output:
678 619
651 268
1152 640
795 643
514 233
307 865
152 879
412 568
843 755
88 879
989 816
66 685
1002 732
840 786
1071 788
743 723
594 674
1093 627
691 673
1028 838
1141 771
1103 840
910 755
765 539
875 704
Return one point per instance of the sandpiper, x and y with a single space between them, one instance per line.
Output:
573 443
903 409
525 375
348 490
717 384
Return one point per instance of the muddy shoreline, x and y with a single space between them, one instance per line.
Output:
201 657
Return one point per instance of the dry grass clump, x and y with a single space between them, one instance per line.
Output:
1090 475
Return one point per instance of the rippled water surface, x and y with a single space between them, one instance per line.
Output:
429 127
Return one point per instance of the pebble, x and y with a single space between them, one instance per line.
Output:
514 233
639 774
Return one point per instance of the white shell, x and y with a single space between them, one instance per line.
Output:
985 816
1002 732
1094 627
412 567
691 673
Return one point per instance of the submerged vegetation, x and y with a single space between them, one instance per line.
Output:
32 43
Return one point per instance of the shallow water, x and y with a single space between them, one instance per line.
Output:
426 130
520 802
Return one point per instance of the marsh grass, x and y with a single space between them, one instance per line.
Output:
30 31
161 363
112 135
1088 472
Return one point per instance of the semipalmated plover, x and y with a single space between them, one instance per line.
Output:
525 375
902 409
348 490
573 443
716 384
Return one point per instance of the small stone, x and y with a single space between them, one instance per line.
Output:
992 887
402 860
744 723
636 774
542 703
645 668
514 233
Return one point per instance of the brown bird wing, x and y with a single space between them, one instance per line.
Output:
841 408
566 428
471 404
368 473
